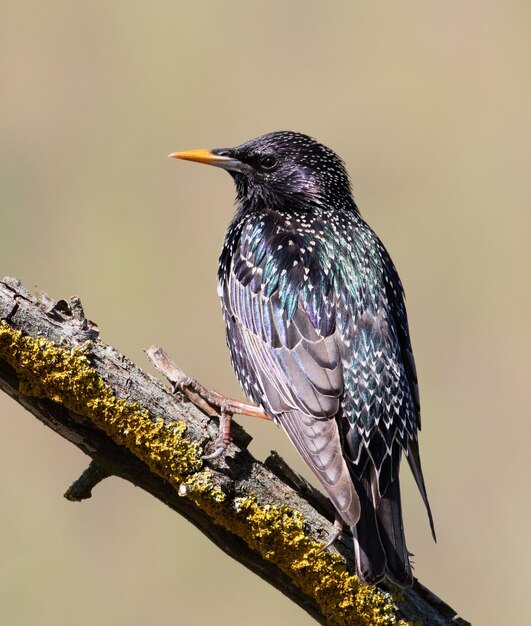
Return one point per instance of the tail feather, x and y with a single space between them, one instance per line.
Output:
368 549
379 542
413 458
391 529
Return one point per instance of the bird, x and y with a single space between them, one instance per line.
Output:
318 335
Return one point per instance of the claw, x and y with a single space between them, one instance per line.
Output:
334 533
182 383
217 452
224 438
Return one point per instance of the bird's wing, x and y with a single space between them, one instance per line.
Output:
286 354
395 294
381 415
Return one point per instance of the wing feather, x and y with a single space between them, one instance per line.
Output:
331 362
289 362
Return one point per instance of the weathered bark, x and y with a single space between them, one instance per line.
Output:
209 495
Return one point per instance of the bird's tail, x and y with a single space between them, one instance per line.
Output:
379 542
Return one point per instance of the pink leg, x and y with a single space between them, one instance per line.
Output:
210 402
226 405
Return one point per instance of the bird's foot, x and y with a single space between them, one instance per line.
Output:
224 439
209 401
334 533
224 405
227 407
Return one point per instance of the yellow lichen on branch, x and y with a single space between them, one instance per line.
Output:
278 534
66 376
275 531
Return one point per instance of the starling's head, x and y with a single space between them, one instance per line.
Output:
281 169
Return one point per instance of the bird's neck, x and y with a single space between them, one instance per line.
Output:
298 206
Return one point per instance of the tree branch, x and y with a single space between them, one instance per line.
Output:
263 515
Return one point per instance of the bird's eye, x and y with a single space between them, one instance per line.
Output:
268 163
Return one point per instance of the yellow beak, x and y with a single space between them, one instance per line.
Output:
201 156
210 158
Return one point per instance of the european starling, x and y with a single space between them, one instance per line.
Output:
318 334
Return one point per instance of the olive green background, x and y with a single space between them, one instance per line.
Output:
429 104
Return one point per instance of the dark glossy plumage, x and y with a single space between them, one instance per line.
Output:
318 334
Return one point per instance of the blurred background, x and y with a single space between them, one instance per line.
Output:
429 105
